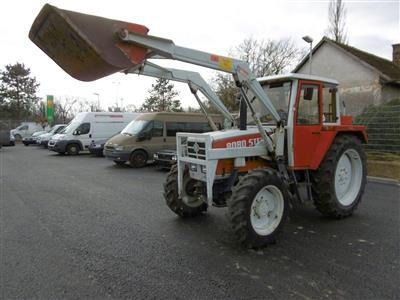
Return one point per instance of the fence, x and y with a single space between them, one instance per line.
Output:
383 127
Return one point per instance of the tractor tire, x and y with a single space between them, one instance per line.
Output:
258 207
175 203
339 182
73 149
138 159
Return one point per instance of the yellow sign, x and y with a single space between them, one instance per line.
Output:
225 63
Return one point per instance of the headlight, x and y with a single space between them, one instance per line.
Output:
119 148
174 157
193 167
155 155
203 169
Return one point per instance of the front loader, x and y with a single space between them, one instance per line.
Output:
296 145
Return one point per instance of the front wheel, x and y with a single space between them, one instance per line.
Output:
191 203
339 182
258 207
73 149
138 159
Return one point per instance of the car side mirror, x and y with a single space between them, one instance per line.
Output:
141 136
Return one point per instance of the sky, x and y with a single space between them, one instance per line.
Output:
214 26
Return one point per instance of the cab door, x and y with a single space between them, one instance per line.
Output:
307 123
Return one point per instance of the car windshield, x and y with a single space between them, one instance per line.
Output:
53 129
70 127
135 127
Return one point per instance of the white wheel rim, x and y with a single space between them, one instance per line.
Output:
348 177
267 210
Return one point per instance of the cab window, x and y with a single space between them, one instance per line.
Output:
308 110
329 112
84 128
158 129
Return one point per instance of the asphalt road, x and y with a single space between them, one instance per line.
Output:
80 227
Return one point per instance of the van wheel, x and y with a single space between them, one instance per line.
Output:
138 159
73 149
18 138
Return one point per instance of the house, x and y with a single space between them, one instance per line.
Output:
364 78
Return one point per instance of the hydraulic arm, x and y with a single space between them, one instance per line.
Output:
195 82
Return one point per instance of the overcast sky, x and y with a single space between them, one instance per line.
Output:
208 25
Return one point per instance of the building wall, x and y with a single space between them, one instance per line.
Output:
359 86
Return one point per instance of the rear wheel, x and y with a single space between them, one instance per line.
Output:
73 149
138 159
18 138
191 204
339 182
258 207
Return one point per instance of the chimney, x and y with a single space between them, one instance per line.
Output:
396 54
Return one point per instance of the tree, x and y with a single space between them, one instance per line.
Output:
226 91
63 108
265 57
18 90
337 23
162 97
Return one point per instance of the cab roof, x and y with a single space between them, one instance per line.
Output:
295 76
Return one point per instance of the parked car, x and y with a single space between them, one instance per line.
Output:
165 159
87 127
12 140
152 132
31 140
44 138
97 147
26 129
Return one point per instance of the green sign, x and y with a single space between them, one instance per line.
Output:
50 108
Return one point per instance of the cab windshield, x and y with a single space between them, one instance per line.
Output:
135 127
279 94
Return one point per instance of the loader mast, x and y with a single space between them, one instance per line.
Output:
244 79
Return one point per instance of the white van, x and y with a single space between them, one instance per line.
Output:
26 129
87 127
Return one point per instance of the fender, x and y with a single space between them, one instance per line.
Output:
328 135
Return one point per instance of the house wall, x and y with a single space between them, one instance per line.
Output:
359 85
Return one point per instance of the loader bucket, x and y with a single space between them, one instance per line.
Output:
85 46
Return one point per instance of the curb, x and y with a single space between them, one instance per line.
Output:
383 180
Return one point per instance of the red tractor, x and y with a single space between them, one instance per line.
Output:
297 145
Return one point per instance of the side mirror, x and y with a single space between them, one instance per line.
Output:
141 136
308 93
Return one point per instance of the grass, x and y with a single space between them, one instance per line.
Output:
386 165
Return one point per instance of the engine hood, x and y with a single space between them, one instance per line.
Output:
121 139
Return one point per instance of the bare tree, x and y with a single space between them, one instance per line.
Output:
267 57
337 23
63 108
